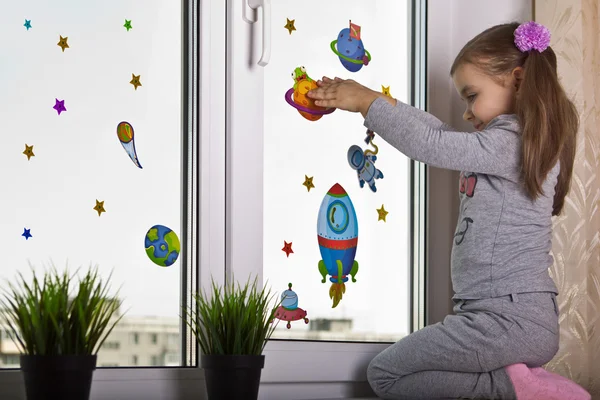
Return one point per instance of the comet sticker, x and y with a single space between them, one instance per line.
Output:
126 137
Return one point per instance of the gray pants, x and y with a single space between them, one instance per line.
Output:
464 356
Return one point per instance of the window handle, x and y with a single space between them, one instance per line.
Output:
250 17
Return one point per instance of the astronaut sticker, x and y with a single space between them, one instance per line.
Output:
364 163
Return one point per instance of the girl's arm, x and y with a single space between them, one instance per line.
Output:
428 118
422 137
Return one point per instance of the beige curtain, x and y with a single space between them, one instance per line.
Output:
575 29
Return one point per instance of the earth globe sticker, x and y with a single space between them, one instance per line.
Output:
162 245
350 49
297 98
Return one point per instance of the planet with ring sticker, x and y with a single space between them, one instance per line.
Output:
350 49
297 96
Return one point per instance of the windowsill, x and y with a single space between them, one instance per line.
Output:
127 374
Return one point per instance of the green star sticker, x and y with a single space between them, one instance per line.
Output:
128 25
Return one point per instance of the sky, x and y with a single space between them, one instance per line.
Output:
79 159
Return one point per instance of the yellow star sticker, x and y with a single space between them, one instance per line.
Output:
386 91
63 43
99 207
308 182
290 25
382 213
28 151
135 81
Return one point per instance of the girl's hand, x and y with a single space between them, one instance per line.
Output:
344 94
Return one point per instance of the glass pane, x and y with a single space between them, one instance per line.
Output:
314 205
91 159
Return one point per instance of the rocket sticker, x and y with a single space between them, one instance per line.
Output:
337 234
125 135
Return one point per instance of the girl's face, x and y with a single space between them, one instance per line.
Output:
485 97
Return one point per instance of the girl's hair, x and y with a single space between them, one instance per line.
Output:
548 119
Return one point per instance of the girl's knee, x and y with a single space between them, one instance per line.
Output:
373 372
379 376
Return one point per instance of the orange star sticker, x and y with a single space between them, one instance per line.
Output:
99 207
386 91
382 213
135 81
28 151
290 25
308 182
287 247
63 43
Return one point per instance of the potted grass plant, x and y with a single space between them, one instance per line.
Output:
232 324
58 332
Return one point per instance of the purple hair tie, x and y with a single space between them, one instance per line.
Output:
532 36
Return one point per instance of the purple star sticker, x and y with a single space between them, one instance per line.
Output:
59 106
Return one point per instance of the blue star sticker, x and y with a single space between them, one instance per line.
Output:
26 233
27 24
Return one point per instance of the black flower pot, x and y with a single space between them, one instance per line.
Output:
58 377
232 377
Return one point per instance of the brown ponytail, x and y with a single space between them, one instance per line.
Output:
549 120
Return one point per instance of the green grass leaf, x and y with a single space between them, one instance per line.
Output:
232 319
46 319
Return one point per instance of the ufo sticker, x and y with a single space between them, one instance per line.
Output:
350 49
125 135
288 310
296 96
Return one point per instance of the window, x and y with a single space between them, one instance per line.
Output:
103 141
154 338
304 160
135 338
283 161
111 345
301 162
134 360
9 360
6 334
172 340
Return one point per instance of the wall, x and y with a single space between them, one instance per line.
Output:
575 29
463 19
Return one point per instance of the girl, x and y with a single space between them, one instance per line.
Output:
516 171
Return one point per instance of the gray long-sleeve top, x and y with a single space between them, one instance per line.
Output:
503 239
